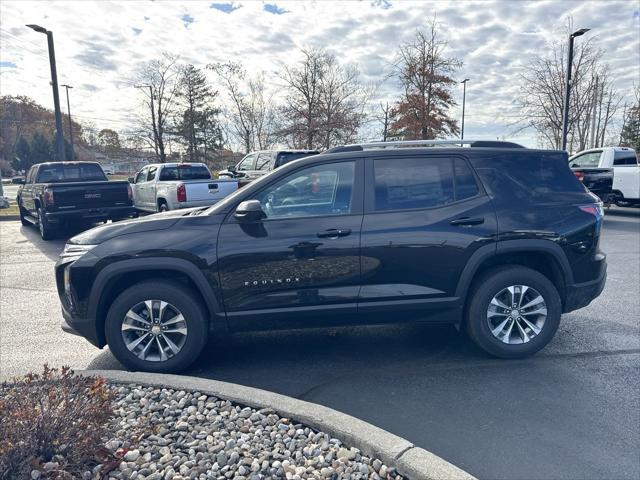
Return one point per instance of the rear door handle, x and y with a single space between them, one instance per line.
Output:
467 221
334 233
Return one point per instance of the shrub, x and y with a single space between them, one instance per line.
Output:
52 416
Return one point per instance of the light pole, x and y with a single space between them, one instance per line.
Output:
464 101
54 84
67 87
567 88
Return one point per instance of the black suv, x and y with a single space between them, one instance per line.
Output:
495 238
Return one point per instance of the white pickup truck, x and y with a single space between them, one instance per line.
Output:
612 173
160 187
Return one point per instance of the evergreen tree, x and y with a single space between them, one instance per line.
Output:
630 136
197 125
41 149
22 156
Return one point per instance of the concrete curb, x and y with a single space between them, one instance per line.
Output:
409 460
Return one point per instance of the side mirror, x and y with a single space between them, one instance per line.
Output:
21 181
250 211
132 180
231 168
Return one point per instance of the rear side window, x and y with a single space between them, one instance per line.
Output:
74 172
265 161
185 172
419 182
152 173
623 158
286 157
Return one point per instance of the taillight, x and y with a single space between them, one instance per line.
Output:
182 193
594 209
579 176
48 197
129 193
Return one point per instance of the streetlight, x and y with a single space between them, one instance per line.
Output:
54 84
67 87
464 99
567 88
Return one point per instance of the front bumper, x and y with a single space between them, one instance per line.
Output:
580 295
94 214
83 327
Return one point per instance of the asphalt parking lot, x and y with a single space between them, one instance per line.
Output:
570 412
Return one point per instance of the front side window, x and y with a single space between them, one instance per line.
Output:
246 163
141 176
265 162
315 191
407 183
590 159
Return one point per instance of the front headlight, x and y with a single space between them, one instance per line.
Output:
73 251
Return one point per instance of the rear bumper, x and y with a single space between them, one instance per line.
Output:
95 214
580 295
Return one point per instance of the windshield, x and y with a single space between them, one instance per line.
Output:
185 172
72 172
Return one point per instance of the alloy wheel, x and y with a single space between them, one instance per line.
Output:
154 330
516 314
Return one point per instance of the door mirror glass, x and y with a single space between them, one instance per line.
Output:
249 211
231 168
132 180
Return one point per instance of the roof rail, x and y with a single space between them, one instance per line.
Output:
423 143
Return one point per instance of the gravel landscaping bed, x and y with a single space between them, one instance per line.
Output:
174 434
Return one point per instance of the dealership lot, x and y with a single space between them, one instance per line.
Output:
569 412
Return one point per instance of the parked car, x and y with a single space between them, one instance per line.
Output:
612 173
499 241
161 187
57 194
256 164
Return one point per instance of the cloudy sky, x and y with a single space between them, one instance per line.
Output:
100 43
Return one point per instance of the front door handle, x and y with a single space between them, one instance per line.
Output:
467 221
334 233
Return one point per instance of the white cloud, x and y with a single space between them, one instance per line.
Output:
100 43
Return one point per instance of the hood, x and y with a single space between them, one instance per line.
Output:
149 223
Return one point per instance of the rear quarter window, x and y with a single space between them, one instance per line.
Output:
625 158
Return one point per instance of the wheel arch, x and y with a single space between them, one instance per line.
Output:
543 256
116 278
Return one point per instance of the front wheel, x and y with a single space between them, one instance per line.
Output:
157 327
513 312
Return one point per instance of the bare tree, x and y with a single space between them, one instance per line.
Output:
594 101
425 74
325 101
159 83
251 114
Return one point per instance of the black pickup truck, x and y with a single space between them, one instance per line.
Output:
60 194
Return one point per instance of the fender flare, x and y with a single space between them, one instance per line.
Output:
512 246
156 263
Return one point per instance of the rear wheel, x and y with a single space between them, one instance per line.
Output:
163 207
47 232
513 312
156 327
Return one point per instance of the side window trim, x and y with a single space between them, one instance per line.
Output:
369 183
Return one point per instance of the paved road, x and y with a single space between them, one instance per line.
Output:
571 412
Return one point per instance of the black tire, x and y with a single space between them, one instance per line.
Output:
175 294
163 207
23 215
47 232
489 285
